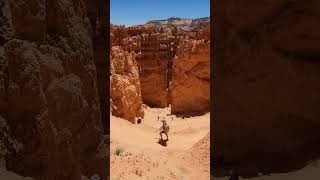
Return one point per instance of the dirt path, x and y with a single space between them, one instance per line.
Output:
144 158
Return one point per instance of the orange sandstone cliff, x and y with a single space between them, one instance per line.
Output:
125 89
172 65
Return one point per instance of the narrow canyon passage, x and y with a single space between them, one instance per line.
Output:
164 67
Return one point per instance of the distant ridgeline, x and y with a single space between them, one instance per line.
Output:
182 24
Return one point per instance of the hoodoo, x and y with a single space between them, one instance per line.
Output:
173 63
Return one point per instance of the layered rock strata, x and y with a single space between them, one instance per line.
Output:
171 66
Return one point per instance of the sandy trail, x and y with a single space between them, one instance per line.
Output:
145 158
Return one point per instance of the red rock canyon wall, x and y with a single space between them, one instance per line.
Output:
190 85
170 69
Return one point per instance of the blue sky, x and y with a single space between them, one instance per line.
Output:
131 12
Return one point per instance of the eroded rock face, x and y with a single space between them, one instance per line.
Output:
266 90
153 64
48 91
125 91
154 54
149 56
165 79
190 85
117 35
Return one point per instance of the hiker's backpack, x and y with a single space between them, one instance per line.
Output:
166 128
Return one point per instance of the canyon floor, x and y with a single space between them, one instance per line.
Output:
185 157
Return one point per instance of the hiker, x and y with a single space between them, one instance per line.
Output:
164 128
